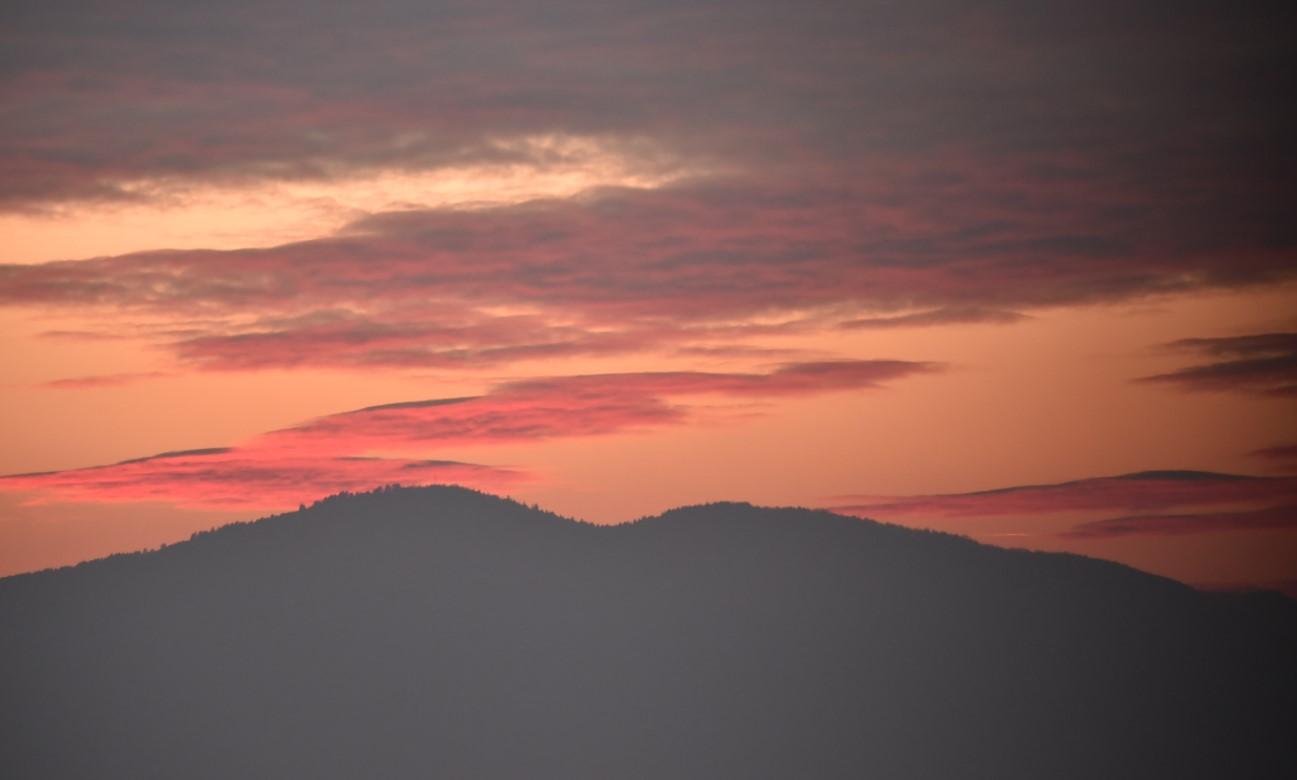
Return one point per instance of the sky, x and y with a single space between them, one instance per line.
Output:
1023 271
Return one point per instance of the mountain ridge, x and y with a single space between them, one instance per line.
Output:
429 631
699 510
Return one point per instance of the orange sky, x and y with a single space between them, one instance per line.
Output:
1045 400
836 283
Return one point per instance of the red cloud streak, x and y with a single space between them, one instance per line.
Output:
579 405
245 478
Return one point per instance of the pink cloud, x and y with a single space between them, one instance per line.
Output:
1143 492
626 270
586 405
245 478
333 453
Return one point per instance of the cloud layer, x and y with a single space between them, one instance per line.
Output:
98 105
622 270
870 165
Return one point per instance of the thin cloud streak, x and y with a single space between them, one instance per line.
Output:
578 406
1144 492
1269 518
1282 455
94 381
246 478
924 319
1264 363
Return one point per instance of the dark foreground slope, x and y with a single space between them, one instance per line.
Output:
443 633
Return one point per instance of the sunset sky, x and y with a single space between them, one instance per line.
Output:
1024 271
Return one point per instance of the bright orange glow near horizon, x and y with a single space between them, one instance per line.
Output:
612 293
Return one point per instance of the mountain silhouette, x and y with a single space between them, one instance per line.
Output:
441 632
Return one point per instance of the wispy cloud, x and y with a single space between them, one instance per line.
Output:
585 405
1282 455
102 380
1263 363
1157 503
948 316
1147 491
1268 518
248 477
